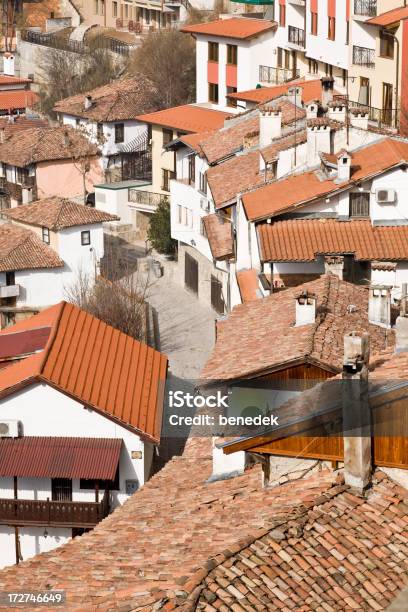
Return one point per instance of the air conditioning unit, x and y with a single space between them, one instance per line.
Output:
204 204
9 429
385 196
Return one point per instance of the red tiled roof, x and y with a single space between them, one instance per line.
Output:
302 188
58 213
390 17
311 90
304 239
186 118
10 100
22 249
234 176
6 79
21 122
236 27
248 284
219 234
260 336
95 364
25 342
54 457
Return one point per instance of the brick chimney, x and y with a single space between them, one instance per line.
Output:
356 411
305 304
270 125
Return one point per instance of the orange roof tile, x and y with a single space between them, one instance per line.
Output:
300 189
10 100
187 118
311 90
304 239
219 234
234 176
94 364
6 79
390 17
248 285
22 249
236 27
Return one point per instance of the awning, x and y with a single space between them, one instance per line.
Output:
46 457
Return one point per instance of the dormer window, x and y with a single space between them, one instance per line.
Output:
46 235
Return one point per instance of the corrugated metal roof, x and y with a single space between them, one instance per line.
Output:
46 457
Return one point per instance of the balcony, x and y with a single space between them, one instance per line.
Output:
365 8
277 76
148 200
9 291
46 513
363 57
296 37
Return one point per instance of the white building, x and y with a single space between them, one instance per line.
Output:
45 249
78 426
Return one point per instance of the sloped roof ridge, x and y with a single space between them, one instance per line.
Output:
51 338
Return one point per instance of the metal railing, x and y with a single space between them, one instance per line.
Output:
365 8
276 76
75 46
53 513
382 117
362 56
145 198
296 36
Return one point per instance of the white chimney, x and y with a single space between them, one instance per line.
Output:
334 264
359 119
295 94
27 195
343 166
88 102
226 466
337 111
270 125
379 306
327 90
318 139
8 64
305 309
312 110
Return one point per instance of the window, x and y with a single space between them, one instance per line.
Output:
280 55
126 11
332 29
91 483
344 77
99 132
10 278
386 45
282 15
114 9
167 176
96 7
203 183
46 235
61 489
314 24
102 7
202 228
119 132
232 54
167 136
191 169
22 175
213 93
328 68
313 66
287 59
212 52
359 204
86 238
231 101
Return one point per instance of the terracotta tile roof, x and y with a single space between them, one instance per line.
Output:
56 457
10 100
34 145
236 27
186 118
271 152
21 122
57 214
36 13
248 284
97 365
244 348
6 79
234 176
21 249
302 188
390 17
304 239
118 101
24 342
311 90
194 140
219 234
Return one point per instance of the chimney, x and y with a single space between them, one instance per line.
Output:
305 308
318 139
343 166
327 90
312 110
337 111
359 118
67 141
379 306
270 125
334 264
295 95
356 411
27 195
88 102
8 64
226 466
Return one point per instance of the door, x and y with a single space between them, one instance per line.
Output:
61 489
364 94
191 273
387 104
217 301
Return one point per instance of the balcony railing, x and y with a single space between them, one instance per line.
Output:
382 117
296 36
364 57
53 513
365 8
9 291
276 76
145 198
